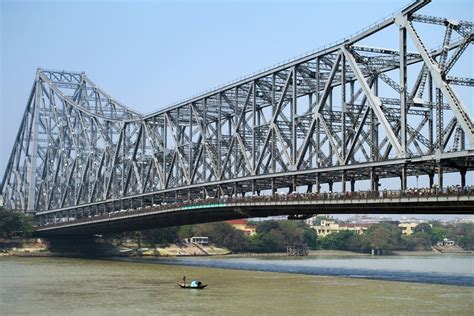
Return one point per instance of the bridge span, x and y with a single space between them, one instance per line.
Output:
100 219
346 114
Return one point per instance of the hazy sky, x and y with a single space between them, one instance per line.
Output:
148 54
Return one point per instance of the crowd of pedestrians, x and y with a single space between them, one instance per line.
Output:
277 197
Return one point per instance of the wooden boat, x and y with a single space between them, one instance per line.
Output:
199 286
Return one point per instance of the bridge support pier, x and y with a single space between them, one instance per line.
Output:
403 178
274 189
374 180
431 179
318 183
463 171
343 181
440 177
235 190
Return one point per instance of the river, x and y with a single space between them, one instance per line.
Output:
63 286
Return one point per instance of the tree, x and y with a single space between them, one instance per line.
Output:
438 233
164 235
422 241
311 238
14 224
382 236
222 234
467 241
274 236
423 227
338 241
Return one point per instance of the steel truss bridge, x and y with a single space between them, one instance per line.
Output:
346 113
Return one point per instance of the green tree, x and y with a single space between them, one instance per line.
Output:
338 241
274 236
438 233
467 241
14 224
422 240
222 234
311 238
164 235
407 242
382 236
423 227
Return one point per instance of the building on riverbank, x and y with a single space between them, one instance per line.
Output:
244 226
330 226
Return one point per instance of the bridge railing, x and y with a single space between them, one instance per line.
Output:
279 197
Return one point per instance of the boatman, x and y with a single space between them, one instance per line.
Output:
184 280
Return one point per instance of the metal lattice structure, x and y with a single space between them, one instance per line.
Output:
346 113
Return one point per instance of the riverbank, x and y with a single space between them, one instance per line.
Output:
38 248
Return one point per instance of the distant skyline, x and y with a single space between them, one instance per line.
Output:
148 54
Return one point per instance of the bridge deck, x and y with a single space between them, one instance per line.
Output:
229 208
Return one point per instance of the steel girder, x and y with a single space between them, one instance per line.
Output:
345 113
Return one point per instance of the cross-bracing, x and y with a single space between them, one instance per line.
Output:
347 113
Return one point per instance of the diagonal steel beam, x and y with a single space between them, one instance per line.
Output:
454 102
374 102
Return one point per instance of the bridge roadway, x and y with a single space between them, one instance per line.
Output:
296 206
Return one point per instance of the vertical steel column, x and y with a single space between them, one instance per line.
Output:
318 183
190 143
403 102
219 136
165 148
331 149
403 93
343 118
273 147
439 119
254 123
294 143
317 129
236 115
431 115
462 172
374 126
440 176
205 153
124 138
33 149
403 177
310 146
